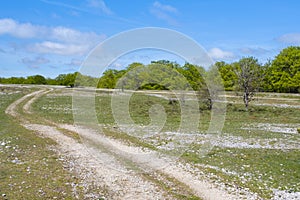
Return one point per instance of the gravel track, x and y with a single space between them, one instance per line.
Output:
107 167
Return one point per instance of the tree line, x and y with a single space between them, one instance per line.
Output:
279 75
69 80
248 75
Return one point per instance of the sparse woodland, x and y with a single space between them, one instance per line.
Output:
247 75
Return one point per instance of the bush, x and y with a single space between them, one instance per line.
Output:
298 129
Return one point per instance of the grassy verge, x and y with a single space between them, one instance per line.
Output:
260 170
29 168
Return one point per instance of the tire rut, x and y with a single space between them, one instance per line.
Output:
119 182
107 167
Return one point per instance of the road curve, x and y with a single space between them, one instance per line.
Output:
103 161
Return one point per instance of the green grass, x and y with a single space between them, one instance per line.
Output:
172 186
54 108
257 169
29 169
58 109
263 169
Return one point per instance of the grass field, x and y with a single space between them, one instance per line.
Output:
30 167
258 150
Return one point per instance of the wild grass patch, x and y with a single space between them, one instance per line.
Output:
260 169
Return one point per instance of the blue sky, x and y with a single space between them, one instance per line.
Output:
50 37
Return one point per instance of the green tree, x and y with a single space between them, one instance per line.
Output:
228 76
86 81
285 71
249 77
166 63
66 79
266 85
70 79
15 80
194 75
108 80
36 79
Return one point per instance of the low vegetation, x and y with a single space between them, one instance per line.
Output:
258 149
30 166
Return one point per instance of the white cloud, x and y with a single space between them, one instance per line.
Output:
290 38
163 7
36 62
59 40
218 54
63 34
68 35
58 48
101 5
26 30
164 12
163 16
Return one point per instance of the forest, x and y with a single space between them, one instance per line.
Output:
282 74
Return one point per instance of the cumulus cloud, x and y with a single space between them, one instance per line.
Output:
58 48
63 34
36 62
290 38
25 30
219 54
163 7
68 35
164 12
58 40
101 5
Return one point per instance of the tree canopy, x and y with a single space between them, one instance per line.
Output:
284 74
249 75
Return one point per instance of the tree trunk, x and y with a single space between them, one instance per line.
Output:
246 100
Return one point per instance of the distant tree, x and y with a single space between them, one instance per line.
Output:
70 79
36 79
60 79
249 77
133 79
66 79
227 74
50 81
84 80
165 76
266 85
17 80
284 74
212 92
194 75
133 65
167 63
108 80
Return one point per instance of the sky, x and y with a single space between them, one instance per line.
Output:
51 37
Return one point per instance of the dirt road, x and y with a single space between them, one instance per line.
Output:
127 172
